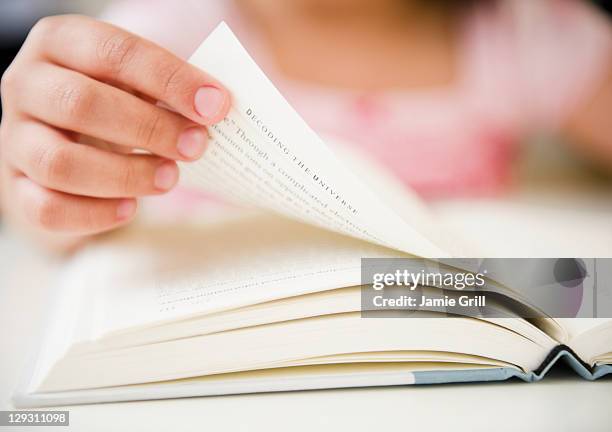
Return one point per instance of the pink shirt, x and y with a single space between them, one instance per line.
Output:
525 65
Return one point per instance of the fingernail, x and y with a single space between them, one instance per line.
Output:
166 176
126 209
192 142
209 101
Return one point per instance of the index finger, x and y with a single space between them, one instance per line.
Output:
111 54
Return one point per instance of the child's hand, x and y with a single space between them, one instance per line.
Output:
79 97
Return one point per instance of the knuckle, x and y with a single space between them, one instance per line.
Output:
54 164
149 129
44 27
116 50
49 28
47 213
91 220
8 81
170 78
6 133
73 100
127 179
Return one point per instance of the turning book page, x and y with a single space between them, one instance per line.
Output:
263 154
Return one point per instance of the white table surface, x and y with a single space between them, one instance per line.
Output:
562 402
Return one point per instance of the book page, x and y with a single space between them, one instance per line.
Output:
153 274
576 327
263 154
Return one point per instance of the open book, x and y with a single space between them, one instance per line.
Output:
268 299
